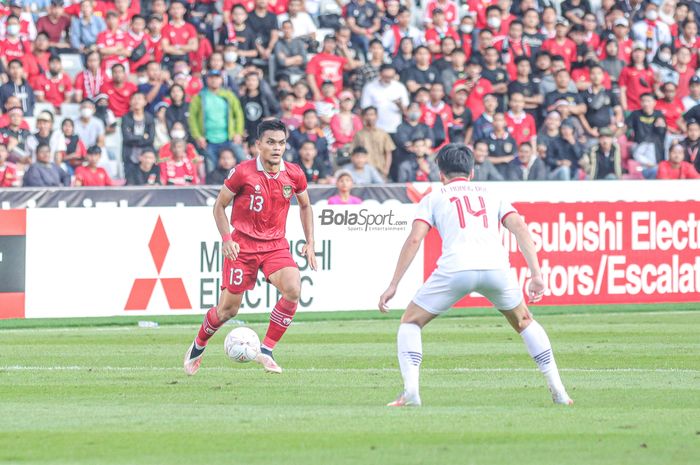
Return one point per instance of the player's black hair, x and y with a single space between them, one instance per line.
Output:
647 94
16 62
54 58
375 41
455 160
385 66
271 125
308 141
118 65
42 145
521 58
481 141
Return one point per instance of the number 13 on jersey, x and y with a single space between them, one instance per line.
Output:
256 202
463 204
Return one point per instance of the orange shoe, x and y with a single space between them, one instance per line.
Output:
404 400
268 363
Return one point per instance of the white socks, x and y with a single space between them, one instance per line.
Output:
540 349
410 348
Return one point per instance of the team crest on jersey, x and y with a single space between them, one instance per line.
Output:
287 191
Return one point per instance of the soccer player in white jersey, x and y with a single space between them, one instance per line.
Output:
468 218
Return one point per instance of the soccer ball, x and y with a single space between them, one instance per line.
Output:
242 345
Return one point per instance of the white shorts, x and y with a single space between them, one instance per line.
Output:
442 290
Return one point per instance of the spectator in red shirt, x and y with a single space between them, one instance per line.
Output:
675 167
200 56
179 37
561 44
112 43
92 175
477 86
326 66
40 55
511 47
521 125
119 91
154 38
123 8
90 82
448 7
672 109
440 29
14 47
56 25
636 79
75 148
178 171
8 172
12 102
136 43
54 87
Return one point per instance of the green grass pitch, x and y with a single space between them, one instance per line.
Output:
104 391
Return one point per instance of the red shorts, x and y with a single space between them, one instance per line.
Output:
240 274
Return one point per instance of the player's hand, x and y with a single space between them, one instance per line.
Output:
310 254
386 297
231 250
535 290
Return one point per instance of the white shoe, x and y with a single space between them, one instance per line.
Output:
404 400
562 398
191 365
268 363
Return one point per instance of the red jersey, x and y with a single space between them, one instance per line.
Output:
511 49
624 50
20 50
327 67
5 122
90 84
475 101
672 112
299 110
479 7
8 175
566 48
685 171
584 75
684 80
637 81
154 47
179 35
277 7
431 113
198 58
165 153
592 40
109 39
522 128
261 203
182 173
249 5
467 45
450 10
693 46
54 88
119 97
86 176
192 87
434 37
132 42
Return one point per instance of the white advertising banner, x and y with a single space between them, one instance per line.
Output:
158 261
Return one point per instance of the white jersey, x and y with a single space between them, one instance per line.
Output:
468 217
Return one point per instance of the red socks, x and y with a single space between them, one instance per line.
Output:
209 326
280 319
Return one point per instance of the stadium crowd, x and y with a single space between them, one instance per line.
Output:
98 93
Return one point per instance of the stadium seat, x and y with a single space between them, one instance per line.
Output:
43 106
70 110
72 63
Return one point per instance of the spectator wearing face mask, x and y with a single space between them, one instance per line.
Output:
178 133
90 129
651 31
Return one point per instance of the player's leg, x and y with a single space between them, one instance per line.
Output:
436 296
229 303
287 280
502 289
238 276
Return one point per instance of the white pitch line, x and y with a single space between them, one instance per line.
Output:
351 370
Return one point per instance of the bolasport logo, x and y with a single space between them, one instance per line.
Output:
362 220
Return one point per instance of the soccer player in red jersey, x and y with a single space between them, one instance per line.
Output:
261 190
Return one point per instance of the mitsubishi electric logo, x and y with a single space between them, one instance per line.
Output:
174 288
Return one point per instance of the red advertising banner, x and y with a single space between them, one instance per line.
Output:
606 252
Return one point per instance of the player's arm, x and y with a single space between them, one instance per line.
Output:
515 224
409 250
230 249
307 223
